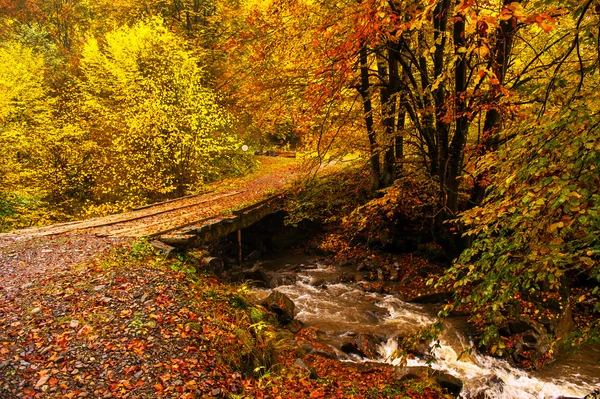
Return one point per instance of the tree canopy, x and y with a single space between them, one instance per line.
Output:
107 105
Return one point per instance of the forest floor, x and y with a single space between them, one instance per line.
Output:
130 324
101 317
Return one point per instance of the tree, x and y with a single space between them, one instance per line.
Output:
162 130
536 231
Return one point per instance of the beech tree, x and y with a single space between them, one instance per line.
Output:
162 130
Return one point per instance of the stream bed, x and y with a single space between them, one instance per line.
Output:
344 309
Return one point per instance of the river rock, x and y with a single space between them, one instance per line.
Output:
256 275
364 345
299 363
295 326
281 305
319 282
534 339
282 278
448 382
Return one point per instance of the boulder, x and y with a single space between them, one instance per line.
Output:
319 282
256 275
312 373
295 326
282 278
281 305
534 339
450 383
364 345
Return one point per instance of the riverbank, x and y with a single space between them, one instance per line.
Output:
131 324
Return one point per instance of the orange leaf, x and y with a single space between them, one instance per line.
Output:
158 387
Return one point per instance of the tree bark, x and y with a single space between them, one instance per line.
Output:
389 93
365 92
461 131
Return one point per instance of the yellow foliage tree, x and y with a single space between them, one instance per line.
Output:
23 107
163 131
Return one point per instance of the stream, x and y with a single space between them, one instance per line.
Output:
341 310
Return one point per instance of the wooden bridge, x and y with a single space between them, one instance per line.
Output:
183 222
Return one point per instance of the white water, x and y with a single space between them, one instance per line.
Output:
493 377
343 308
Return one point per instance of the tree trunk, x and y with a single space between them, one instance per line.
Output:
389 93
455 152
442 128
365 92
502 49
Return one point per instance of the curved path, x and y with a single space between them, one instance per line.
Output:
31 253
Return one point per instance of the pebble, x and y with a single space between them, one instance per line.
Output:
216 392
36 310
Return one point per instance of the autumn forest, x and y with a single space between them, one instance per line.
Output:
469 131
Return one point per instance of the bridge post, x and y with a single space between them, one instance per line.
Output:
240 255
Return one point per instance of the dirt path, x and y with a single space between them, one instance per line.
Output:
33 253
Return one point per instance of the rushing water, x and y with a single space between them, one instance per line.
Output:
341 309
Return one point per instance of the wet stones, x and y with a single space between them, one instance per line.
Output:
282 306
256 275
299 363
364 345
282 278
533 340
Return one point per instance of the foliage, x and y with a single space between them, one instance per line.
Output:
539 226
145 92
408 208
325 199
